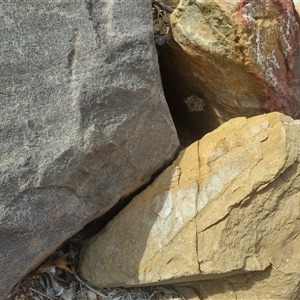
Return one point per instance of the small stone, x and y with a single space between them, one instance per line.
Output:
194 103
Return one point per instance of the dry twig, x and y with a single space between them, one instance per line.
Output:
41 294
163 6
90 288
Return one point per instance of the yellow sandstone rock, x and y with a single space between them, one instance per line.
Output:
228 205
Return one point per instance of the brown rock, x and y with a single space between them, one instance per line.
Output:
228 205
237 57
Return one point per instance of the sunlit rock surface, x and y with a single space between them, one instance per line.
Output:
228 205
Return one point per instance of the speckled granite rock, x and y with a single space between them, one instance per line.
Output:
83 120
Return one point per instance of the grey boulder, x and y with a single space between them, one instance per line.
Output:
83 123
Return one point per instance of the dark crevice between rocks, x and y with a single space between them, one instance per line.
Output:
184 121
185 102
95 226
189 109
184 118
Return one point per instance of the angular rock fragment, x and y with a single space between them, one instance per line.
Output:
228 205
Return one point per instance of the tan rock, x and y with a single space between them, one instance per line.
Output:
228 205
235 56
279 282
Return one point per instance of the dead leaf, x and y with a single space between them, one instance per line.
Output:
59 262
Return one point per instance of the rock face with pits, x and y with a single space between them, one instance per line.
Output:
83 120
238 56
228 205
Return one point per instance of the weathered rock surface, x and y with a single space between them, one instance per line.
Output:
83 120
272 283
228 205
236 57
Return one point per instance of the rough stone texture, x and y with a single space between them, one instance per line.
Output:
238 56
228 205
83 120
272 283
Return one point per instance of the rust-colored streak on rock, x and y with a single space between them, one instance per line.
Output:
277 63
